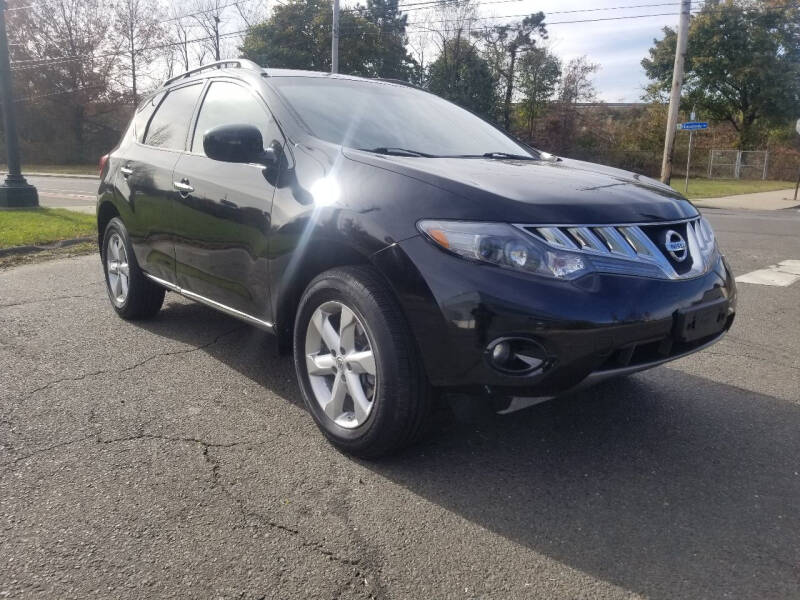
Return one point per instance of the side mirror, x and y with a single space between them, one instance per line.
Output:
237 144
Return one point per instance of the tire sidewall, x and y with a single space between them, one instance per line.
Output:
331 287
116 226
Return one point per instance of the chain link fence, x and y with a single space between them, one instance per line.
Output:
738 164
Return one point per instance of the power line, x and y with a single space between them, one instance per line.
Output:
78 57
420 24
201 12
434 3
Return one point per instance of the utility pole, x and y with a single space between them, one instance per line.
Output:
15 191
216 37
675 93
335 38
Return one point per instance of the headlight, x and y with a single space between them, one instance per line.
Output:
705 239
505 246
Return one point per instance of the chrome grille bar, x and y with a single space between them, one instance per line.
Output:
629 242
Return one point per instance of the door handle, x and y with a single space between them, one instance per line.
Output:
183 187
126 170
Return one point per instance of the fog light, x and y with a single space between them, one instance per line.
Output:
501 352
517 356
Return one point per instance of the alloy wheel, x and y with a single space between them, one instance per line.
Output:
341 364
117 269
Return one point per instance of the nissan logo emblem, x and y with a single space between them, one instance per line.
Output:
675 245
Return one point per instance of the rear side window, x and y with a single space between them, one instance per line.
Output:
143 114
231 104
169 125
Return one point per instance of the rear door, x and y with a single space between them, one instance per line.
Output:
145 176
223 209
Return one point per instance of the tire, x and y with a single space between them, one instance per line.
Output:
398 388
133 296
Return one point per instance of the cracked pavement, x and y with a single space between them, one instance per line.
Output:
173 459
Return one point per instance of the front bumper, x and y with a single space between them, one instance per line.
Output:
599 325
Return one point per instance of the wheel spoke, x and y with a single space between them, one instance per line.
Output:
321 364
362 362
335 406
326 331
123 281
360 403
347 330
117 286
113 267
124 269
114 247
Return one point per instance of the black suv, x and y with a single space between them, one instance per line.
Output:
399 245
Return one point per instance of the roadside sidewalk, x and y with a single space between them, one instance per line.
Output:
776 200
67 175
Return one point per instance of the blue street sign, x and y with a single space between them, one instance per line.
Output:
692 125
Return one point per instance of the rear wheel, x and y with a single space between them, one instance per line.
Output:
132 295
357 364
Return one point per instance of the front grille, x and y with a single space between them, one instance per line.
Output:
652 249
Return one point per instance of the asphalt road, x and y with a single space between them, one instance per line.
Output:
174 459
66 192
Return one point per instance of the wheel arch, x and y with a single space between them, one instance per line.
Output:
318 258
105 212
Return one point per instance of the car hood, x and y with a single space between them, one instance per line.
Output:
562 191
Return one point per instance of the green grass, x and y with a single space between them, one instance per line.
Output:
22 227
716 188
56 169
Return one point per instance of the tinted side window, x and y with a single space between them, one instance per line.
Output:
143 114
169 125
231 104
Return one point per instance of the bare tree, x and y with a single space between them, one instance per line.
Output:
576 86
64 49
138 23
207 15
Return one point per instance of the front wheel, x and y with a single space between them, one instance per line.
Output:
357 363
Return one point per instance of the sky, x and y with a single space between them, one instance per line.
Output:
617 45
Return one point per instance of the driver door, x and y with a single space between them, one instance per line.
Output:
222 210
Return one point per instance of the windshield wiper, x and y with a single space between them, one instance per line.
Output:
498 155
508 155
396 152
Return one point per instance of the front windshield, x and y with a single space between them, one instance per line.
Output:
390 118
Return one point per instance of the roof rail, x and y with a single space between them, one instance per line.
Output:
399 82
238 63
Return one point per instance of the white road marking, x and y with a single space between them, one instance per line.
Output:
783 274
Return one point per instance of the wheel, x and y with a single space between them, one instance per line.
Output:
132 294
357 363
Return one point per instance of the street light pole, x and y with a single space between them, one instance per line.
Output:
15 192
675 92
335 38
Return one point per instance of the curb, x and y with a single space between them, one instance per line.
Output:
66 175
15 250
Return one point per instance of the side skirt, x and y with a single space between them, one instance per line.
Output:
261 324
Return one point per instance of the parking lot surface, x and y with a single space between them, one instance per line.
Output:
174 459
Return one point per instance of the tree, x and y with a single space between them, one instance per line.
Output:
392 59
64 54
138 23
540 72
505 44
742 64
576 86
461 75
443 29
298 36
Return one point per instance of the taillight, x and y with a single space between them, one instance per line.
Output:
103 161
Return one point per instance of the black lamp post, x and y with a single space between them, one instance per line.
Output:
15 192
